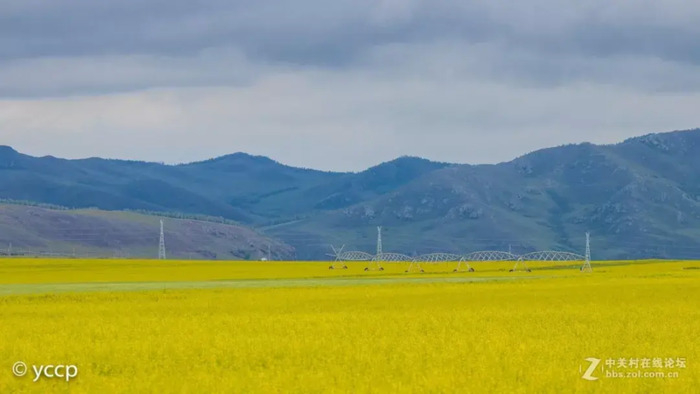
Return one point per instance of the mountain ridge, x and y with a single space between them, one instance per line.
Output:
649 138
646 187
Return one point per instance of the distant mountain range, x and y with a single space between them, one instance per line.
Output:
639 198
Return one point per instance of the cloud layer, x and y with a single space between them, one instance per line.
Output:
343 84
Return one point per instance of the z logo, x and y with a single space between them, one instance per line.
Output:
588 375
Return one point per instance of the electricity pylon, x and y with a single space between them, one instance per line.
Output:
161 243
375 264
587 264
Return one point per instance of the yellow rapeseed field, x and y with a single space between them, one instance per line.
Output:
206 327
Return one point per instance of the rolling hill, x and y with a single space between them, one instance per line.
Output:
30 230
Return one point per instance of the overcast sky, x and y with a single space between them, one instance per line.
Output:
342 84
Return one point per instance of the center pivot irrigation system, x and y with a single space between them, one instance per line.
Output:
374 262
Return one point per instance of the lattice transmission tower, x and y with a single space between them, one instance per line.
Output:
376 263
586 267
161 243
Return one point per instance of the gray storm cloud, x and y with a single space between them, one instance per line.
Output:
342 84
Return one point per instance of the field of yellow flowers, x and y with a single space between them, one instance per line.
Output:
186 326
